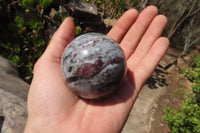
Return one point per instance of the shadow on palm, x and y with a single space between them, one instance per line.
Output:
122 94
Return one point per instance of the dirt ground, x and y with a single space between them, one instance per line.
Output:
165 88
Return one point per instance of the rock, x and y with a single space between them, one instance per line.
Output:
13 95
8 67
142 114
167 61
1 122
13 109
172 69
189 58
53 12
148 110
84 7
169 58
181 63
93 65
85 13
173 52
9 80
110 22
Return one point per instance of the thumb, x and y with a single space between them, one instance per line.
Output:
60 39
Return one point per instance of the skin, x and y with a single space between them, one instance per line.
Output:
52 107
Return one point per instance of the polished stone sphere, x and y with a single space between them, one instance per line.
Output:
93 65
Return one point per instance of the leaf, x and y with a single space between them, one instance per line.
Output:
28 77
27 4
38 41
6 46
13 27
45 3
14 59
78 30
196 60
194 120
19 21
34 24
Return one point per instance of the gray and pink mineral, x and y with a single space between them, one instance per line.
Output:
93 65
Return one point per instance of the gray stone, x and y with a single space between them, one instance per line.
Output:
110 22
167 61
53 13
181 63
13 108
8 67
13 95
84 7
142 114
85 13
9 80
170 57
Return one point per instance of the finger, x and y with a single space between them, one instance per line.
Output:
123 25
153 32
61 38
146 67
133 36
47 81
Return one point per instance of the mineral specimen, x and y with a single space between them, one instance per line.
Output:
93 65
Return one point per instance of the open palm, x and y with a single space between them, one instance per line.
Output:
52 107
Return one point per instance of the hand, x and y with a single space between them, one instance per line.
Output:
52 107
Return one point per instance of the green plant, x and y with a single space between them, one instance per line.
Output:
78 30
194 75
28 36
33 5
29 43
187 120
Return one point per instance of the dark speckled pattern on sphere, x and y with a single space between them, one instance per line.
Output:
93 65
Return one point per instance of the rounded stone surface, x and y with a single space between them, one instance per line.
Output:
93 65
